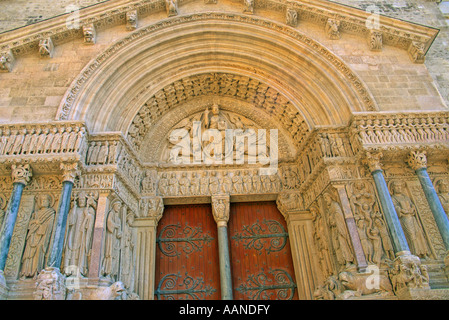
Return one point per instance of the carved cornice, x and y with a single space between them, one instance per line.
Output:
395 32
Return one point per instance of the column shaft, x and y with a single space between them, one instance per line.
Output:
400 245
435 205
60 225
10 221
225 263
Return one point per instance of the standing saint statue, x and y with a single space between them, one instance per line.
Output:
112 242
338 232
38 238
408 217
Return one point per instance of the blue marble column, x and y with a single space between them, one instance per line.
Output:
55 256
21 176
400 245
418 162
220 210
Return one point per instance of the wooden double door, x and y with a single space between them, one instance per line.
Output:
187 262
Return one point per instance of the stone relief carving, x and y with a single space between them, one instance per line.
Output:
187 183
111 256
442 188
417 52
41 139
90 34
332 29
131 20
408 216
292 17
249 6
338 232
172 7
7 61
408 272
321 242
371 226
50 285
375 40
38 237
204 137
79 233
46 48
128 260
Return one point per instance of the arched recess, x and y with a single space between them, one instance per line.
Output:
286 64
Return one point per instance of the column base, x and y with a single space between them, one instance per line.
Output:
50 285
422 294
4 290
408 273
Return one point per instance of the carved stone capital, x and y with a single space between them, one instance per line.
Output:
153 208
21 173
417 160
69 171
50 285
372 161
288 202
221 209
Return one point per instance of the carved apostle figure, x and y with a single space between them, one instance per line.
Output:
128 254
38 237
407 214
237 182
184 184
163 184
112 242
338 232
214 183
443 194
195 184
204 183
79 234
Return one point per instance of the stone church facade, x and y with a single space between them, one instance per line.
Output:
109 188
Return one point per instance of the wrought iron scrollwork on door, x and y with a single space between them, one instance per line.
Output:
263 287
191 238
170 288
254 236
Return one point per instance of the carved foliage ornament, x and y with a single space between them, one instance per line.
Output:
372 160
21 173
417 160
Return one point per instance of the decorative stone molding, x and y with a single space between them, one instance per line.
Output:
7 61
375 40
132 20
289 202
46 48
21 173
90 34
221 209
417 52
417 160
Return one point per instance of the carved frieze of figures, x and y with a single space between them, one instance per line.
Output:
217 182
410 221
442 189
289 201
79 233
38 237
111 255
41 139
338 231
401 129
371 226
408 272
